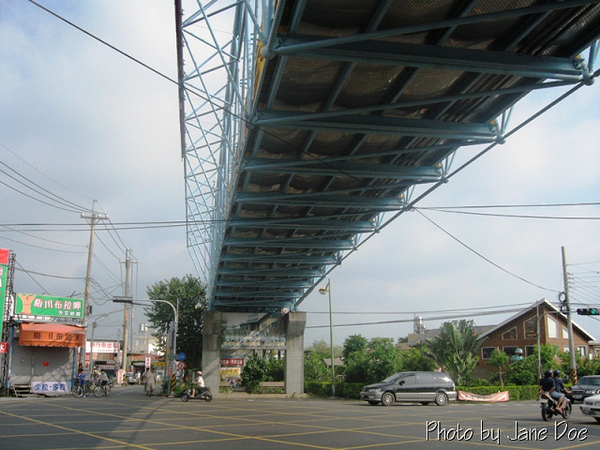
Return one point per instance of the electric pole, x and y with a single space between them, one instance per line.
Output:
569 322
126 307
94 217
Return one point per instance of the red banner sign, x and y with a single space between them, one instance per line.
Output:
497 397
232 361
4 255
3 347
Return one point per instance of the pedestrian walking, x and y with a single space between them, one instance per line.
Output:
145 378
150 382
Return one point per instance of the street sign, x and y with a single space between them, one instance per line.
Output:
181 356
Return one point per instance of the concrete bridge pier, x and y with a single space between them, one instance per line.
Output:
295 323
294 353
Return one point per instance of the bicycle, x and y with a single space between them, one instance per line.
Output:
79 390
100 390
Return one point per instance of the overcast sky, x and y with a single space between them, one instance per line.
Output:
81 122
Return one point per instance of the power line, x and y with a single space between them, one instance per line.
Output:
21 269
40 172
514 216
40 191
483 257
445 317
416 313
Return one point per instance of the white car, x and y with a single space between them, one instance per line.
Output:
591 407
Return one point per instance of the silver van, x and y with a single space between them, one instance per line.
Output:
422 387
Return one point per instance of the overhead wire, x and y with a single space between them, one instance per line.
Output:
483 257
435 318
40 191
42 173
21 268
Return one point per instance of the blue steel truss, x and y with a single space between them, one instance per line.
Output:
308 125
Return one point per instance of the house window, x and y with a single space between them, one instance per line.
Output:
510 335
552 327
581 350
530 328
566 348
530 350
565 333
509 350
486 352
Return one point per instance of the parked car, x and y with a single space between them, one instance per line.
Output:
591 407
422 387
130 378
586 387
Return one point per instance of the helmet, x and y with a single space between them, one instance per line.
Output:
548 373
556 373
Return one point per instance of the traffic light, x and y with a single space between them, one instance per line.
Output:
588 311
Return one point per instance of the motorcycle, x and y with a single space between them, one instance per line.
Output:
201 394
548 405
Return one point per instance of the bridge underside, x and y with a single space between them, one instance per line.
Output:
335 114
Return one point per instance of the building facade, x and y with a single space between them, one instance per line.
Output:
521 331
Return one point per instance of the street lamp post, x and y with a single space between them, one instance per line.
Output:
323 291
131 301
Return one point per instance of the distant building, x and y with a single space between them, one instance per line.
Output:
520 332
144 341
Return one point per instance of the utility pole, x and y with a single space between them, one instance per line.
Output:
126 308
94 217
569 322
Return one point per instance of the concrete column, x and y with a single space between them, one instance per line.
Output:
294 354
211 350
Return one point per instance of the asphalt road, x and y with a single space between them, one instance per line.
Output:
129 419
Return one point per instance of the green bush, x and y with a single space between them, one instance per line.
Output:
317 388
348 390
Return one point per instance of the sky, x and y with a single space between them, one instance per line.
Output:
82 124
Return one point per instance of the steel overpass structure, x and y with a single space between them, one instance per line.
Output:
309 125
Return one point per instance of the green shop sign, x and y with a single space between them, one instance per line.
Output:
44 305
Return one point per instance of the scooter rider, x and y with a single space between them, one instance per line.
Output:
548 386
199 382
560 388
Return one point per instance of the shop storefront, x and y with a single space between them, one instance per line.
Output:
44 356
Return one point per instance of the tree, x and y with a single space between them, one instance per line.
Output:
255 370
191 296
377 361
500 361
324 348
275 369
315 368
456 349
525 372
415 358
354 344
